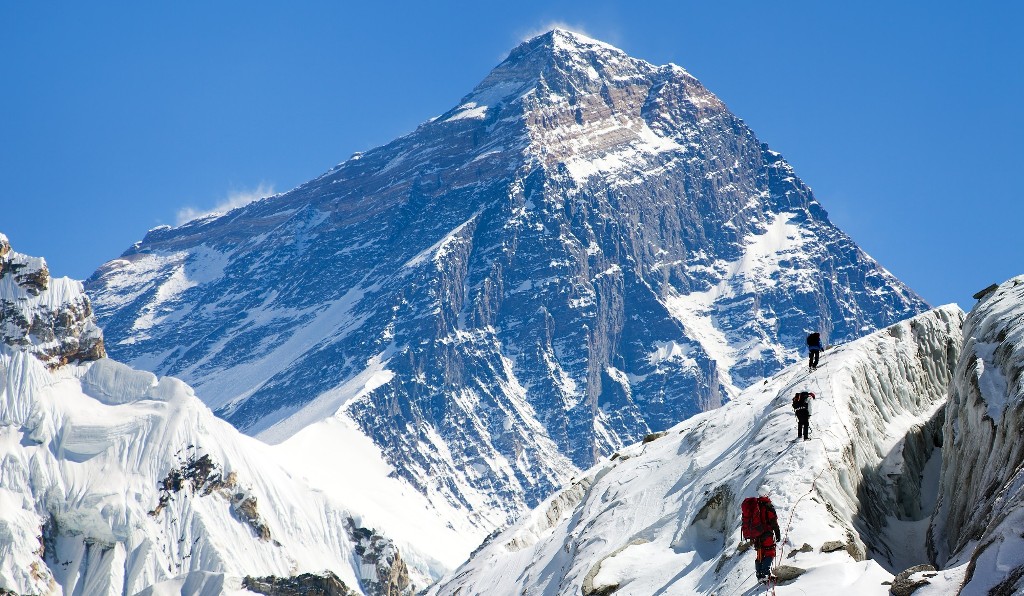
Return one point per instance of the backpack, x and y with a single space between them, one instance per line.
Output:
814 339
758 515
800 400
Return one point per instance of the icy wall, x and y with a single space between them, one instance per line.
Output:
979 522
113 480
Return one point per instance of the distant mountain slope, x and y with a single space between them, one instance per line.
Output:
662 517
113 480
587 248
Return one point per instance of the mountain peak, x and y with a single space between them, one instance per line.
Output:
566 39
566 61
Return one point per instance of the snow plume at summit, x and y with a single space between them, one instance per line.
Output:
586 249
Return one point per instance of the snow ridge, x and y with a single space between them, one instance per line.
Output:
662 517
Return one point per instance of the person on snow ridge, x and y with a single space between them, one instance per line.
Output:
802 407
814 350
764 543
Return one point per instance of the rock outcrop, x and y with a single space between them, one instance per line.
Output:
50 318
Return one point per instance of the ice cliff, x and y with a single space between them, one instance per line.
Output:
113 480
977 531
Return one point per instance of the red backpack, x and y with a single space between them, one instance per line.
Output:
758 515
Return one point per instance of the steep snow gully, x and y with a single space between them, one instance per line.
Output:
916 459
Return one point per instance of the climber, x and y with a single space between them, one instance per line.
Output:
814 349
802 407
760 525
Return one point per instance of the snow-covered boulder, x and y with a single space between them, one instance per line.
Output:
662 517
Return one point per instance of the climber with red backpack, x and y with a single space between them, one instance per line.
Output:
760 525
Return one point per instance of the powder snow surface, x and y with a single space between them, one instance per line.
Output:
662 518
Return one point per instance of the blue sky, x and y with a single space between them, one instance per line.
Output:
905 118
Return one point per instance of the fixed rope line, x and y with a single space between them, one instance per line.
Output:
792 511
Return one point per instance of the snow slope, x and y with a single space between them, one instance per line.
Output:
662 517
113 480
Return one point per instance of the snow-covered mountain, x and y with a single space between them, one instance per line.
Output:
114 481
662 517
586 249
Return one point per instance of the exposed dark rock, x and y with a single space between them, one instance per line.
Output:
832 546
785 573
806 548
200 476
985 292
390 575
906 582
655 436
55 332
307 584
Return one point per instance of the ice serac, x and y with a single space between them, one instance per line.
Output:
115 481
662 517
586 249
978 525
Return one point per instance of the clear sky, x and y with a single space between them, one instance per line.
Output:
905 118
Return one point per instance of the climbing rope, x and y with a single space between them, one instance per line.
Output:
831 466
770 587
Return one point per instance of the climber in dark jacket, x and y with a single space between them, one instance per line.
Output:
814 349
802 407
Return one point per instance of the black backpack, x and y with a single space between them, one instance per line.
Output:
800 400
814 339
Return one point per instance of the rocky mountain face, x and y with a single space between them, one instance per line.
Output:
115 481
586 249
50 318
